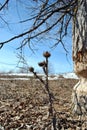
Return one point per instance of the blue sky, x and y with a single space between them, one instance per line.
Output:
59 62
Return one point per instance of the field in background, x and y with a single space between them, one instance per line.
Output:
27 76
24 104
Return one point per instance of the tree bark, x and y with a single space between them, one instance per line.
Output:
80 57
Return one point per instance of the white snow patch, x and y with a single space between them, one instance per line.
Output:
70 76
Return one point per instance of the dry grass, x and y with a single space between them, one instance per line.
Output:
23 102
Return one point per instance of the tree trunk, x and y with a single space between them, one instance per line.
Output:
80 58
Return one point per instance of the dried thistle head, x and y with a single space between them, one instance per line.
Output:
41 64
46 54
31 69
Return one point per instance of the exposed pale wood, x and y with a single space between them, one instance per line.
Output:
80 97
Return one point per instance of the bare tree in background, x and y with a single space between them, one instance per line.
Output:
53 17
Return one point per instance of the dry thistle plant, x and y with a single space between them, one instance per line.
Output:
44 66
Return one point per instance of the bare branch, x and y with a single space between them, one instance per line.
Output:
47 11
6 2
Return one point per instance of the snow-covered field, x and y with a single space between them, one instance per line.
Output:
26 76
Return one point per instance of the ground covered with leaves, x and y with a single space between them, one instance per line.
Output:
24 105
